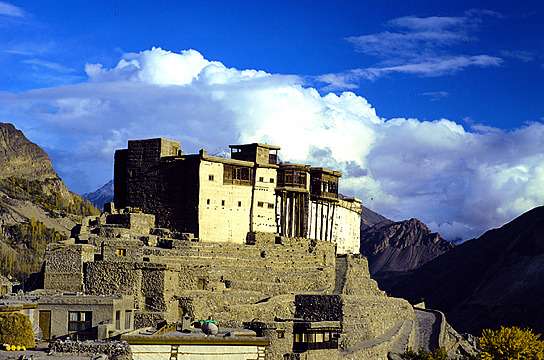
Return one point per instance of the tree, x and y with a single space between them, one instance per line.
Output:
510 343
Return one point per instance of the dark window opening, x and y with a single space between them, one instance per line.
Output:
239 203
237 175
128 319
208 201
270 205
222 202
271 180
210 177
80 320
292 178
260 204
149 303
118 320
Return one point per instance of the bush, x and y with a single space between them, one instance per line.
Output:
438 354
16 329
510 343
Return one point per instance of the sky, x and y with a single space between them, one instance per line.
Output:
430 110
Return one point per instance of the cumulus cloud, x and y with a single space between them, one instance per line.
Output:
461 181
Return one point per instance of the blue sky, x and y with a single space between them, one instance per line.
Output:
431 110
293 37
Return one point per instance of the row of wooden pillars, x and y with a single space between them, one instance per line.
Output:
292 219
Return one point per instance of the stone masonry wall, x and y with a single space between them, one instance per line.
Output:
64 266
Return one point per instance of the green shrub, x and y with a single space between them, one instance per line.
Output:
510 343
16 329
438 354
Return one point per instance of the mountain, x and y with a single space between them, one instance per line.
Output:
101 196
486 282
35 206
369 218
400 246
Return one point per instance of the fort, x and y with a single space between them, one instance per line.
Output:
268 250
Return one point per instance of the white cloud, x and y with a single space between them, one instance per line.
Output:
422 46
435 95
431 67
460 181
8 9
49 65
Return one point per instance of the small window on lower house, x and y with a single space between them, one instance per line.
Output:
118 320
270 205
128 319
208 201
281 334
80 320
261 179
260 204
271 180
239 203
210 177
222 202
121 252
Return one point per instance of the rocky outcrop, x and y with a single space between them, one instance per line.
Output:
487 282
101 196
21 158
400 246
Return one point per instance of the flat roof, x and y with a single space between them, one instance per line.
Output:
291 165
252 145
226 336
326 171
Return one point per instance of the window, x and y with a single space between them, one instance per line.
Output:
80 320
237 175
260 204
261 179
222 202
270 205
118 320
208 201
310 339
210 177
128 319
281 334
271 180
149 303
239 203
121 252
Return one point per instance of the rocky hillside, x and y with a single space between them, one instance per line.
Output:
35 205
369 218
400 246
490 281
101 196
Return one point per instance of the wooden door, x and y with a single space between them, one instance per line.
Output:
45 324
